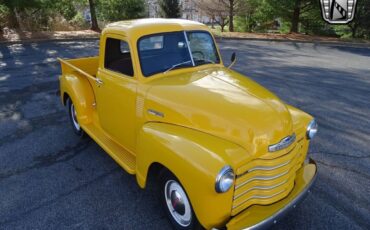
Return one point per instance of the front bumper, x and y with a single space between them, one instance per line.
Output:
261 217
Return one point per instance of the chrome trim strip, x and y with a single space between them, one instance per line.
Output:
266 168
289 152
292 205
259 197
262 178
155 113
284 143
261 188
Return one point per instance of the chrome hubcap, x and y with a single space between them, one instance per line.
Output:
178 203
74 117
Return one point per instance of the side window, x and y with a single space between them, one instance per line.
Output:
118 57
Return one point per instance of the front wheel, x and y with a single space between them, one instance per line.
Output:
72 113
176 203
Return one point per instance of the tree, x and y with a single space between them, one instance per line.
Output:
115 10
291 10
253 14
216 11
302 7
94 21
66 8
295 16
360 26
134 9
36 14
170 8
233 7
15 7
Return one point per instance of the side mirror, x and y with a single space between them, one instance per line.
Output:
233 59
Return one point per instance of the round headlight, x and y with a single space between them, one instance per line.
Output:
225 179
311 129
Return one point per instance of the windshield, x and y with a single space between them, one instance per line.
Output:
160 53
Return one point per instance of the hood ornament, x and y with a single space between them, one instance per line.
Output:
284 143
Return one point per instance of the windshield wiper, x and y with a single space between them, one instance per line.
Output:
177 65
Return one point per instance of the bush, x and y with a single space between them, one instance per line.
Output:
4 16
79 21
116 10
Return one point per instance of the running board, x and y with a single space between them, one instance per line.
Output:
124 158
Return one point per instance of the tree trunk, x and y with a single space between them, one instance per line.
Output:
295 18
14 23
354 30
249 22
94 21
231 16
222 24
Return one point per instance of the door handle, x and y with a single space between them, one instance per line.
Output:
99 81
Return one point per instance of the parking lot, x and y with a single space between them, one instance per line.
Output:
51 179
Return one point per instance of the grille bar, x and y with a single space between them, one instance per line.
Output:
265 168
268 178
260 197
262 178
261 188
269 161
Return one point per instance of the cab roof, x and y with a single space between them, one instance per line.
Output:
141 27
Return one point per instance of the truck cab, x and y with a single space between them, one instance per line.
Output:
158 99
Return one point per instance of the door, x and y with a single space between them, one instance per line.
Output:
116 92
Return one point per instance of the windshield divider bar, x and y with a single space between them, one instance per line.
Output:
187 43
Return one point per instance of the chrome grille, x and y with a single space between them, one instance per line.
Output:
268 178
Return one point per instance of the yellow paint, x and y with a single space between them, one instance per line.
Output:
212 117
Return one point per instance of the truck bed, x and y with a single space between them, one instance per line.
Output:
87 66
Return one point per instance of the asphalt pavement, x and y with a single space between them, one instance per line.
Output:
51 179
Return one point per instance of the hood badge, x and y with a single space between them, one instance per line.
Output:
284 143
155 113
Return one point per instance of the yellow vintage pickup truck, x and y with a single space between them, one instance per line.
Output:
158 99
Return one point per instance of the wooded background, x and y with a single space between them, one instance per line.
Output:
278 16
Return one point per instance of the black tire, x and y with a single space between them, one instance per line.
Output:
166 179
73 119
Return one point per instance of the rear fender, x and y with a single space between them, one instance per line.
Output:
78 88
195 158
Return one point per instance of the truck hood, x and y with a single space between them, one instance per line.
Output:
223 103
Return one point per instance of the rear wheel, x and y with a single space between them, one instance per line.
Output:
176 203
72 113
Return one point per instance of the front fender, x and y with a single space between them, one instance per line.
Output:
300 122
81 93
195 158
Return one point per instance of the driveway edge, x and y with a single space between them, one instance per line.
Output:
335 43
